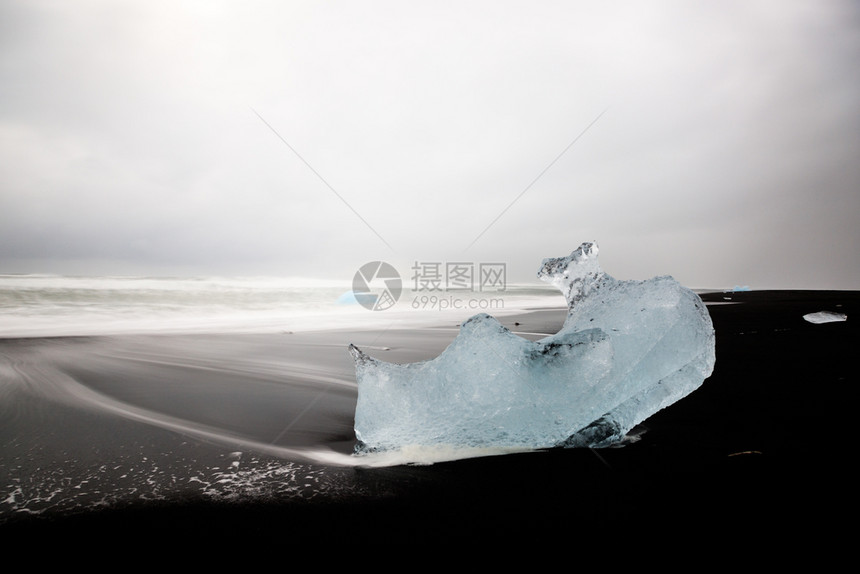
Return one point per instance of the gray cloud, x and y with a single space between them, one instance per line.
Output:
727 154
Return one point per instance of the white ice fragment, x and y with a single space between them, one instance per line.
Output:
825 317
626 350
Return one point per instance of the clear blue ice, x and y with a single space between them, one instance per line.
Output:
627 349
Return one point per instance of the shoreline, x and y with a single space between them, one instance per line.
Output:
760 424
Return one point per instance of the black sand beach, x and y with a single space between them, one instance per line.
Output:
177 440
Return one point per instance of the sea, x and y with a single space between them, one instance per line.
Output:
118 390
58 305
208 410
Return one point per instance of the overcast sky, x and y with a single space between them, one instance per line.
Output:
307 138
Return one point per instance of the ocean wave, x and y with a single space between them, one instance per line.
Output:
53 305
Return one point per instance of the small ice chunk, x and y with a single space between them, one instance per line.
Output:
626 350
825 317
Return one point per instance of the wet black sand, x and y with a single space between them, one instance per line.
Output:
759 459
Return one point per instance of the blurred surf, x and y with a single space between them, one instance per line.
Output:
51 305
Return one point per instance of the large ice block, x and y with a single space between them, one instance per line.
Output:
627 349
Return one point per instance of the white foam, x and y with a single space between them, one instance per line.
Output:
44 305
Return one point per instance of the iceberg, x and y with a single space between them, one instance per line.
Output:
626 350
825 317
